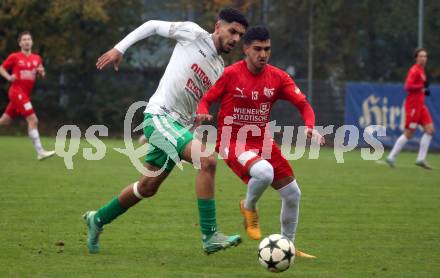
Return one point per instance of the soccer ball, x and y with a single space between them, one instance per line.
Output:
276 253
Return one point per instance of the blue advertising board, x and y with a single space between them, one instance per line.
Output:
383 104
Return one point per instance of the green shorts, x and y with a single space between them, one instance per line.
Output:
167 138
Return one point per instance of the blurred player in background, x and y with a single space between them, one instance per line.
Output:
416 112
247 91
194 66
21 69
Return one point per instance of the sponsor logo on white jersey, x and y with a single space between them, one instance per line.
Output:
204 79
203 53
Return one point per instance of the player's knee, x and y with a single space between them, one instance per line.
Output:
430 131
147 188
208 164
4 122
296 195
33 122
262 170
408 134
149 192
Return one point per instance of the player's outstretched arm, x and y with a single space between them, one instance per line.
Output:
177 30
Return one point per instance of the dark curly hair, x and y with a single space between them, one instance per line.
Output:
256 33
233 15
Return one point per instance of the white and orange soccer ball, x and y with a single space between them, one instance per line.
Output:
276 253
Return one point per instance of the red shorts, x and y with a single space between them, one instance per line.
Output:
240 159
416 116
19 105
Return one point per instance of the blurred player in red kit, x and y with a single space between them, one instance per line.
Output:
21 69
416 112
247 91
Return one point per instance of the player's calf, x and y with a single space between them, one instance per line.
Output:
290 197
144 188
5 120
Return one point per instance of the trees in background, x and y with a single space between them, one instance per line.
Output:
70 35
368 40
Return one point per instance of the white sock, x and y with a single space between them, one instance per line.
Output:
261 177
35 137
424 146
401 141
290 197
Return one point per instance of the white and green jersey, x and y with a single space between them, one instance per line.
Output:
193 68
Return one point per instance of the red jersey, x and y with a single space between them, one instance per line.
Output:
25 70
414 84
248 98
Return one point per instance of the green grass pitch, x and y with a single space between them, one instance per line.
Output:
360 218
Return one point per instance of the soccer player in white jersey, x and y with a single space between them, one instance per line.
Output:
194 67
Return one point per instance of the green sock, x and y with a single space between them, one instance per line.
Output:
208 222
109 212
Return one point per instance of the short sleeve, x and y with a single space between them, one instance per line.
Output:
9 62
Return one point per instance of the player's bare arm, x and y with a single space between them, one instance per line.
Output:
204 117
6 75
113 56
313 134
41 71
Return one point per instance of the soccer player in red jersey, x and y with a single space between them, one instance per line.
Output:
416 112
21 69
247 91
